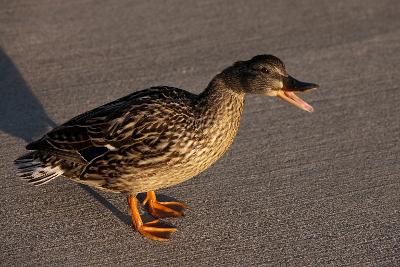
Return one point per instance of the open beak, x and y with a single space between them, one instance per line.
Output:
291 85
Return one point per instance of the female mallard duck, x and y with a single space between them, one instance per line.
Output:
157 137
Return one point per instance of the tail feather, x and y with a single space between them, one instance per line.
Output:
32 169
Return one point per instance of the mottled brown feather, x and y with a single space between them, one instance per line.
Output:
156 137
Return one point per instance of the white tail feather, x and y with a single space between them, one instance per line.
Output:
35 172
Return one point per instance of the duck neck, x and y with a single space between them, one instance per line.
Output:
221 103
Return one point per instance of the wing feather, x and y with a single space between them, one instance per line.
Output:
134 117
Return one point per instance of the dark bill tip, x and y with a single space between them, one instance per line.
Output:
291 84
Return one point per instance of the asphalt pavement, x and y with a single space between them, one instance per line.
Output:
295 189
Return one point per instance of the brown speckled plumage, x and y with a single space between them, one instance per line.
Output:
153 138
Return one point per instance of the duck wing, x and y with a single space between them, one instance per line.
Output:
140 119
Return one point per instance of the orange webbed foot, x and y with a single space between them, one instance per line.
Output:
155 230
163 209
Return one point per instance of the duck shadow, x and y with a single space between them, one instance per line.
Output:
23 116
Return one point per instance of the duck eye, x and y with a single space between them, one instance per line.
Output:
265 70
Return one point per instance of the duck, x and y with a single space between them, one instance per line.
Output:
156 138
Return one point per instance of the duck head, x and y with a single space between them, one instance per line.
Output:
266 75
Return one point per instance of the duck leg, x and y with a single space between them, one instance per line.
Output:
163 209
153 229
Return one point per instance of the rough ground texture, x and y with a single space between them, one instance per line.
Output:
295 189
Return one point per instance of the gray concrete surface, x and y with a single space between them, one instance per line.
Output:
295 189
